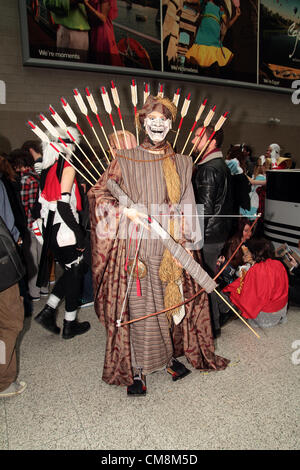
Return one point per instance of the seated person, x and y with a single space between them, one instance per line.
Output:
261 294
244 233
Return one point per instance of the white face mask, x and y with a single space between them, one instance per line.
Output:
157 128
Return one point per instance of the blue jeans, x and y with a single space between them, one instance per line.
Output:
87 290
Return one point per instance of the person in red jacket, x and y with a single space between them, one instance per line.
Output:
261 294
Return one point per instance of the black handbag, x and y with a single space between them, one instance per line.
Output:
227 276
11 267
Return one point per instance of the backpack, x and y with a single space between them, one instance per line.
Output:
11 266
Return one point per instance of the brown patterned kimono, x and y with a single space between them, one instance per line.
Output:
146 343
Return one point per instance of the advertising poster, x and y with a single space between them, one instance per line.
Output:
119 33
211 38
279 42
254 42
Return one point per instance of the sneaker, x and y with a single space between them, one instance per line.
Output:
16 388
85 303
34 299
44 294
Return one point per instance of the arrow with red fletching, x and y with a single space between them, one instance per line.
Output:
146 91
94 108
176 97
44 138
81 105
73 118
184 110
206 123
108 109
134 100
60 122
161 91
116 100
198 115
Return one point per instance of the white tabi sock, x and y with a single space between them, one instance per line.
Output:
70 316
53 301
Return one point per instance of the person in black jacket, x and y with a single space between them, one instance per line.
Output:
212 183
240 185
212 188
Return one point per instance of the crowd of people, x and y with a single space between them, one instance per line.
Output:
62 231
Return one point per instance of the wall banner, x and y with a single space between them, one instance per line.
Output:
250 43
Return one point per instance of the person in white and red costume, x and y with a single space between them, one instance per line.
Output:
60 193
277 162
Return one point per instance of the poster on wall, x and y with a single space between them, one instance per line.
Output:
118 33
216 39
279 63
252 43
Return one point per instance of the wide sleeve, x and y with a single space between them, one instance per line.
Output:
192 222
104 221
109 277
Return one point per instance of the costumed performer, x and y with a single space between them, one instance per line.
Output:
275 160
60 197
152 175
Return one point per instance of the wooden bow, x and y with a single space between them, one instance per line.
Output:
194 295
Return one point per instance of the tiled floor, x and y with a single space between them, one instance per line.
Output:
253 404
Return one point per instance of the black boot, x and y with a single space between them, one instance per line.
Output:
138 388
74 328
47 319
177 370
226 318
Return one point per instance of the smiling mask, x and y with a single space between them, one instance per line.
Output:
157 128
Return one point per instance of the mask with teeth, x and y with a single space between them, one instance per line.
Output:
157 127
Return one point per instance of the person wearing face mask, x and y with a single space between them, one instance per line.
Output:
275 160
134 275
